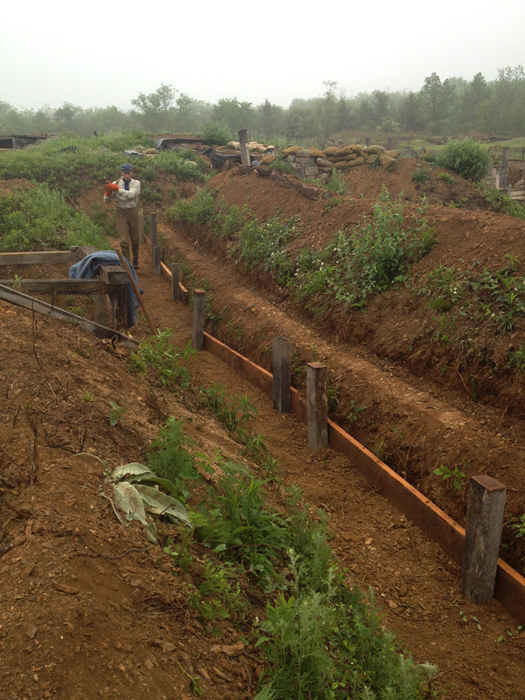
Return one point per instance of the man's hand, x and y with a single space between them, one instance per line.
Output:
110 187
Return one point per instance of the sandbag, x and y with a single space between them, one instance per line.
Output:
350 156
371 158
331 152
392 154
358 161
291 150
323 163
266 160
316 153
387 161
341 165
234 145
378 150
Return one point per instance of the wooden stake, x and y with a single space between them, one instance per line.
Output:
317 405
281 365
175 281
482 538
199 304
245 151
155 249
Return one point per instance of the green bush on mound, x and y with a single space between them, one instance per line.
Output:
468 158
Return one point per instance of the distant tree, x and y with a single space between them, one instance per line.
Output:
344 112
510 95
157 109
327 108
66 115
302 122
409 111
381 105
437 98
236 115
269 119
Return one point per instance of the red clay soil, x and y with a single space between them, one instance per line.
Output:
81 621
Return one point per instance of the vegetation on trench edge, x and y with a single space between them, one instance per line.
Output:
320 638
365 260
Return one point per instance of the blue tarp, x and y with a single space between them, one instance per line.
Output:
88 267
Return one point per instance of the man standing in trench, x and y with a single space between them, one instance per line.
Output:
125 192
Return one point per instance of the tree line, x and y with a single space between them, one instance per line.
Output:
450 107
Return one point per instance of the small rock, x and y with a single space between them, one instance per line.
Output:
31 631
392 605
148 664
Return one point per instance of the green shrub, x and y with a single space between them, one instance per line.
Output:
184 167
336 183
447 177
169 458
265 247
373 256
283 165
468 158
39 218
420 175
199 210
216 134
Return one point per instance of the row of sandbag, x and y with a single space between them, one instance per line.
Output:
340 158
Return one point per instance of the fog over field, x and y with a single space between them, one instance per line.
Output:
91 56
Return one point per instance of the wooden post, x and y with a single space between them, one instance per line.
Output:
504 174
245 151
155 249
199 304
281 365
486 505
367 142
120 304
175 281
101 309
389 144
142 237
317 405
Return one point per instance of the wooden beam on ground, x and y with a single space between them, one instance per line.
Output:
63 286
27 302
45 257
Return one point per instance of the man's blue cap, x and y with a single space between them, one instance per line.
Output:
126 168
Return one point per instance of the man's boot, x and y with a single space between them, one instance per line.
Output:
135 249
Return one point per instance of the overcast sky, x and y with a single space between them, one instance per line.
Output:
98 54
